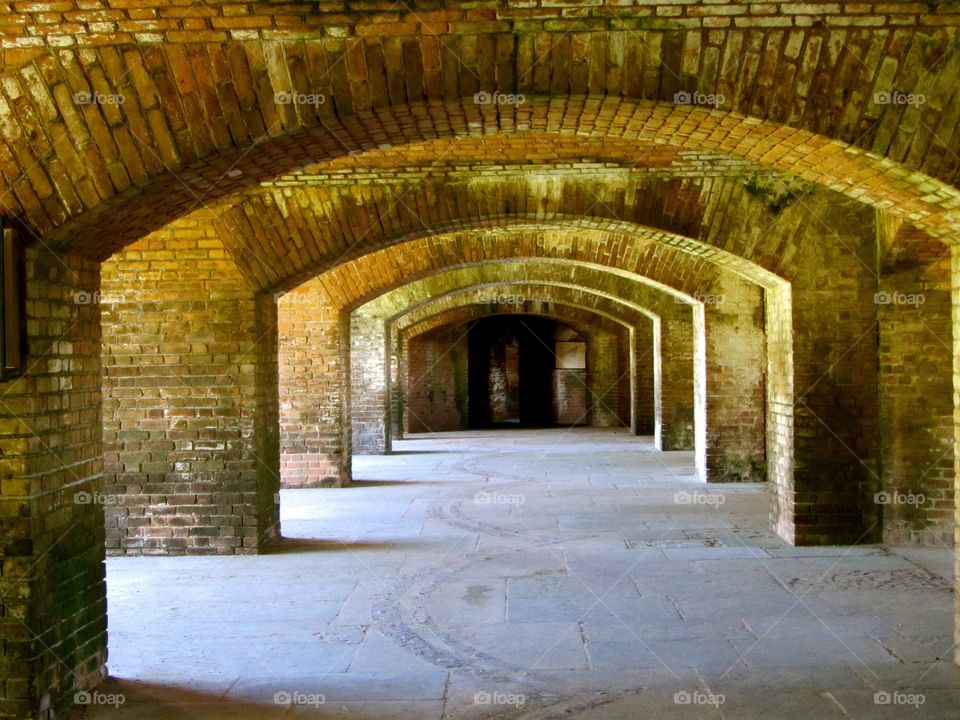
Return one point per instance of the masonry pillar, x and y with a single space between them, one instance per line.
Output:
368 393
735 375
625 377
436 389
916 409
645 352
314 390
603 378
190 396
52 586
394 388
835 352
955 295
778 327
677 390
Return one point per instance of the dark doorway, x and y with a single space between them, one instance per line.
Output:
512 371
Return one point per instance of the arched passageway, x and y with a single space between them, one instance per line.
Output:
224 279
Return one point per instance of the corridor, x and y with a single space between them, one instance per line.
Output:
532 574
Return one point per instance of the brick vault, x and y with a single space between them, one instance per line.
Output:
246 240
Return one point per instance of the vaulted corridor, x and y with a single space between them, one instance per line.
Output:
423 356
534 574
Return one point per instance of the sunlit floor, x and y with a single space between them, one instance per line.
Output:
534 574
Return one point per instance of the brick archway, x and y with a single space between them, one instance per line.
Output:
356 279
797 171
428 357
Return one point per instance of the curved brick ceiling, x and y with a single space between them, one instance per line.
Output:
578 255
492 278
199 120
662 257
580 319
535 293
286 234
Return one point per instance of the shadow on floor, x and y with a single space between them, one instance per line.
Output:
421 452
389 483
161 701
304 545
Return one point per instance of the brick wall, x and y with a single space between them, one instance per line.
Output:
916 408
570 397
646 376
51 478
436 383
368 385
955 317
312 375
735 351
677 391
604 379
825 247
189 387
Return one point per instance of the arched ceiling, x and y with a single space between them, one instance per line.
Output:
640 256
95 217
536 295
583 320
116 120
293 234
485 281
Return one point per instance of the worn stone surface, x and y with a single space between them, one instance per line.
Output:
799 159
479 565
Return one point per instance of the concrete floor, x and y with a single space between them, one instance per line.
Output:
533 574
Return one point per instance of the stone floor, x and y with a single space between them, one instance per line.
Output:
532 574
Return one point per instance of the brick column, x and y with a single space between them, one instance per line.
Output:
52 586
735 428
394 389
916 409
835 352
646 403
314 361
955 296
436 389
368 383
676 431
778 326
603 379
190 390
